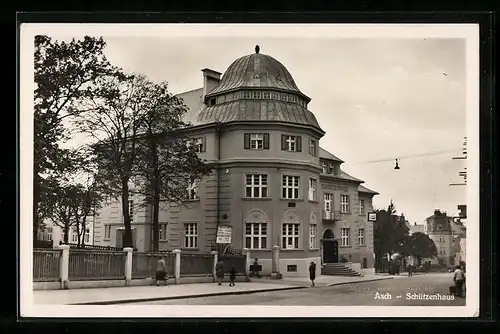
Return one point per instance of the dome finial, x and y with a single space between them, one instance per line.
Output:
257 49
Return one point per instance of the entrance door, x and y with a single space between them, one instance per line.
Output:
330 251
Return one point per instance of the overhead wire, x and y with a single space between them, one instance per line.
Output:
406 157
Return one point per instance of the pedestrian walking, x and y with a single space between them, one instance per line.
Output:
219 272
232 275
255 268
459 279
161 271
312 273
410 270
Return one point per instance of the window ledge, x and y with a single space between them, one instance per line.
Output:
314 249
106 239
291 200
189 249
345 246
192 200
256 199
259 249
291 250
313 201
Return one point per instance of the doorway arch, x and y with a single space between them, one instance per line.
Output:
330 247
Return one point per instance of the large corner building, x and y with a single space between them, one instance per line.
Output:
274 184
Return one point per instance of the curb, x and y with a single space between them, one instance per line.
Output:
212 294
365 281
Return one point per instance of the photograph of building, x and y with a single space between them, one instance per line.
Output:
274 184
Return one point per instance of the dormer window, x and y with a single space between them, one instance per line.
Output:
211 102
323 165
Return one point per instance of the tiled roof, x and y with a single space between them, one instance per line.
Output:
327 155
363 189
257 110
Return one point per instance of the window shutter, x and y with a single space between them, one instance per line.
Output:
204 145
247 141
266 141
283 142
299 143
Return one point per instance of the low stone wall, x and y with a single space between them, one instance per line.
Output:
92 284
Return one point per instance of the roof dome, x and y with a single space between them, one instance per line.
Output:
257 87
256 71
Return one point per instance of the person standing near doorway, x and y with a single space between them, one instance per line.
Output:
161 271
312 273
232 275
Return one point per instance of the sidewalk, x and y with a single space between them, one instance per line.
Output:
123 295
323 280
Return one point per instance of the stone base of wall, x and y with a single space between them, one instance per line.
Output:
121 283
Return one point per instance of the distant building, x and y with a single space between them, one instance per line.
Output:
52 232
273 184
446 232
417 228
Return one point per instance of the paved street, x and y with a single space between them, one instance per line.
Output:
358 294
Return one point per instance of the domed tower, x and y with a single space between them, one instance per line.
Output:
254 125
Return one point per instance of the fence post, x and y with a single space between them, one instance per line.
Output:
177 269
276 263
128 265
246 251
64 267
216 259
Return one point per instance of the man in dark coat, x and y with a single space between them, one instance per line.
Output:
312 273
232 275
219 271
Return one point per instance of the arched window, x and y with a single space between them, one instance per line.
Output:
256 230
290 230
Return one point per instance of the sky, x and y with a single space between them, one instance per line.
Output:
376 98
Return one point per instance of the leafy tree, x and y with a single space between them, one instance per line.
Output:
113 123
390 233
65 74
167 164
420 246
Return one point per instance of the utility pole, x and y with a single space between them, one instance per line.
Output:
463 174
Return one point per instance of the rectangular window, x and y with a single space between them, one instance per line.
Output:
276 96
256 186
107 231
323 165
246 94
256 141
344 203
290 236
344 237
192 191
267 95
313 147
291 143
87 235
131 209
328 201
256 235
49 233
191 235
236 95
291 187
162 231
313 236
291 268
256 95
361 237
74 237
361 207
313 185
199 144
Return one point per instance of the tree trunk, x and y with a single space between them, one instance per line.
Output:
66 234
156 197
127 233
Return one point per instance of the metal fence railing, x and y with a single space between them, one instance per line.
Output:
46 263
91 264
144 264
197 264
238 261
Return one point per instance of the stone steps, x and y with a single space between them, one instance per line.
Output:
338 269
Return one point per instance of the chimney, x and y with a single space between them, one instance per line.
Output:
211 79
437 212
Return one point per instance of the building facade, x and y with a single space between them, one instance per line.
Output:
273 184
53 232
417 228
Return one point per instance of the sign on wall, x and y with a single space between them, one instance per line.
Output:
372 216
224 233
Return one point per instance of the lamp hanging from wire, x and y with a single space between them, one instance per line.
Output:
397 164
